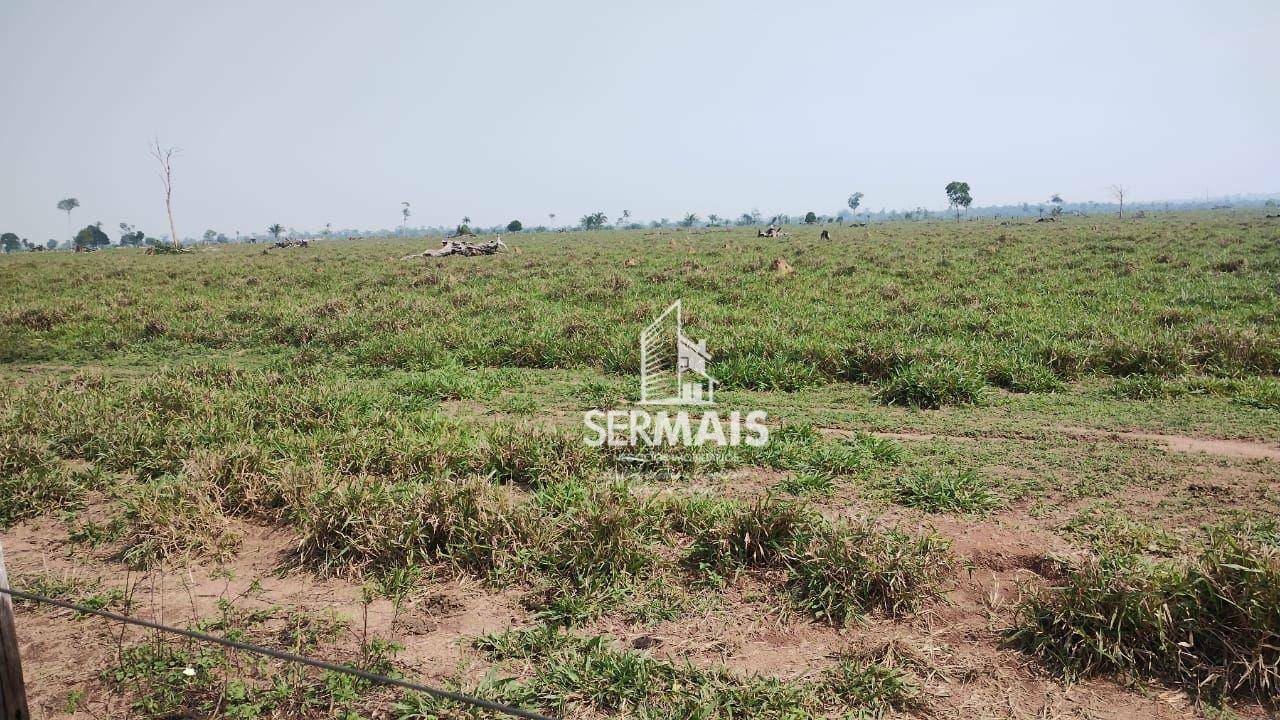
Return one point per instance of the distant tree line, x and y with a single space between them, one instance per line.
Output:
958 195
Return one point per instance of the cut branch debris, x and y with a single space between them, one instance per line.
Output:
450 246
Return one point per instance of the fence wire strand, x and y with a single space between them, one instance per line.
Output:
281 655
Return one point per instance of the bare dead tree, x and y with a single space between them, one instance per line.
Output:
164 155
1117 192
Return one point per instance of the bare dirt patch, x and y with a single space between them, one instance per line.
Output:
57 647
1243 449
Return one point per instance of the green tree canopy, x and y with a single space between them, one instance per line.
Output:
810 217
91 237
594 221
130 237
9 242
854 201
515 226
958 196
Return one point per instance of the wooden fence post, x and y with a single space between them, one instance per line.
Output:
13 694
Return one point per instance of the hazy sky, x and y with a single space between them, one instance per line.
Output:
311 112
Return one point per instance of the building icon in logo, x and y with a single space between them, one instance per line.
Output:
673 368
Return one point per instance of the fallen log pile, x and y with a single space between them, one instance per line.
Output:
450 246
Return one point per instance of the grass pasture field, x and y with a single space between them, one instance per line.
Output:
1016 469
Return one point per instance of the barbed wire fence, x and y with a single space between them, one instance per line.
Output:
13 702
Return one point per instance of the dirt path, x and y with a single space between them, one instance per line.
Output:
1241 449
1246 449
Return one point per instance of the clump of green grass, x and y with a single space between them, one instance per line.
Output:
451 382
1258 527
572 674
1024 375
597 530
167 518
1227 349
871 687
803 448
244 480
36 318
34 480
367 526
1146 387
835 572
1157 355
601 395
66 587
931 386
755 534
843 572
1258 392
532 456
1262 393
598 548
807 482
1112 532
1211 626
582 547
945 490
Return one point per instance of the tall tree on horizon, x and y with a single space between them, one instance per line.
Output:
164 155
1118 192
853 202
958 196
67 205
